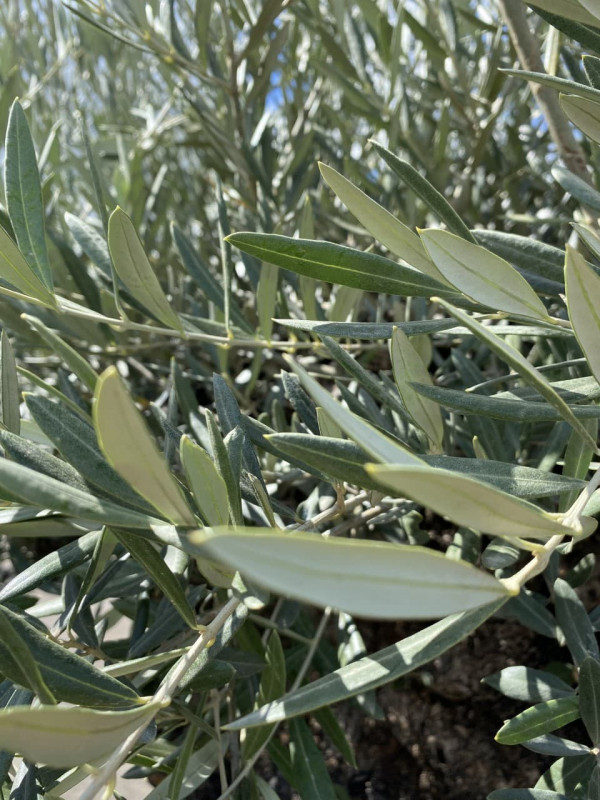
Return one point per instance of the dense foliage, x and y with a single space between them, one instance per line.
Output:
238 385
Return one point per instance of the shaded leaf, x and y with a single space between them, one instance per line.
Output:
374 670
69 677
539 719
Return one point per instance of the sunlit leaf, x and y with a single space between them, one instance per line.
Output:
132 266
338 264
366 579
67 737
481 275
469 502
407 367
583 300
127 445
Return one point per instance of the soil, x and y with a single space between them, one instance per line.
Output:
437 739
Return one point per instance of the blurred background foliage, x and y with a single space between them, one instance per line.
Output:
178 95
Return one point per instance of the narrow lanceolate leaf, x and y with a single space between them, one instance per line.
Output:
407 367
376 444
589 695
67 737
373 670
17 272
570 9
309 774
338 264
74 361
469 502
266 297
150 559
22 662
522 367
345 460
69 677
383 226
584 113
272 686
576 186
41 491
366 579
539 719
428 193
575 622
500 407
24 195
552 82
207 485
525 794
129 448
481 275
10 397
583 301
529 685
132 266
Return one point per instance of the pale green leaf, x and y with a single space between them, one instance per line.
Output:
363 578
383 226
17 272
539 719
208 487
584 113
469 502
132 266
407 367
24 195
481 275
41 491
10 396
129 448
583 301
574 10
376 444
266 297
201 765
67 737
522 367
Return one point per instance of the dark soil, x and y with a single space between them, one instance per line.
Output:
437 739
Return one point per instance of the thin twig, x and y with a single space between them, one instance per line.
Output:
164 696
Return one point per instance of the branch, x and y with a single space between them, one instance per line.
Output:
528 52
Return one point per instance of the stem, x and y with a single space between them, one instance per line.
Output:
540 560
302 672
528 52
164 695
190 336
